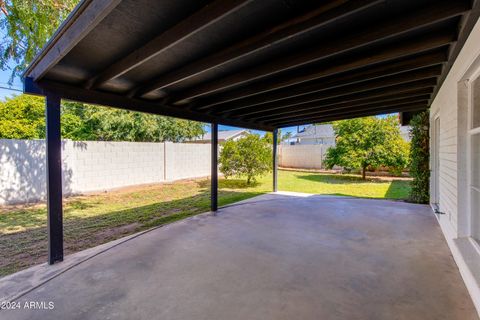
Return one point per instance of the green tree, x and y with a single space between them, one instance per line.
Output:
420 158
28 25
368 142
23 117
250 157
268 136
122 125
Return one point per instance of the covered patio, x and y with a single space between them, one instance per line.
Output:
261 65
276 256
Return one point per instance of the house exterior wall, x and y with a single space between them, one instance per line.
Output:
451 107
96 166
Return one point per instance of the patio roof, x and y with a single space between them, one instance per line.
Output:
255 64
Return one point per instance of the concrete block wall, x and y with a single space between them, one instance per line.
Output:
89 166
22 170
302 156
186 160
99 165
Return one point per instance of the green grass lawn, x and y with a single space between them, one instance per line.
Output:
95 219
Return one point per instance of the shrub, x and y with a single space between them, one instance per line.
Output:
419 158
248 157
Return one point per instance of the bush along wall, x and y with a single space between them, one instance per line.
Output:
420 157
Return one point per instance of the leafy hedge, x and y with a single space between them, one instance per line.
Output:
420 157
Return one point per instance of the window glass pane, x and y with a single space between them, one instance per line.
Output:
476 160
475 214
476 104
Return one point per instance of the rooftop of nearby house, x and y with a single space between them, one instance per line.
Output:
326 131
222 135
316 131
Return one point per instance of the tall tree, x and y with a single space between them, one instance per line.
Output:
28 24
23 117
368 142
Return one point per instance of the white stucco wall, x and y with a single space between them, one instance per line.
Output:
96 166
451 106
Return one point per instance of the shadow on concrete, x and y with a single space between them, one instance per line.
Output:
19 250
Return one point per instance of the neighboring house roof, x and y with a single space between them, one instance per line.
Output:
405 132
222 135
316 132
326 131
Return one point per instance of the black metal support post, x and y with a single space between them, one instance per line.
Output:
214 186
54 179
275 160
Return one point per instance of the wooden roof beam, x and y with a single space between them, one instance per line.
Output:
325 14
351 114
422 86
321 109
83 19
375 107
345 80
428 74
74 93
394 92
378 32
403 49
379 71
192 25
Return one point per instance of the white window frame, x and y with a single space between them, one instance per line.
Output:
470 133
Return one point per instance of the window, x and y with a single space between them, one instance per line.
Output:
476 104
474 141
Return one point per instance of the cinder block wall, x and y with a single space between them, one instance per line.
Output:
96 166
185 160
105 165
302 156
22 170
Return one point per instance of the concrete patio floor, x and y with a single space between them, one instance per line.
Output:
277 256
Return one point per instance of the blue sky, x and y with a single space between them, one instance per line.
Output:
4 77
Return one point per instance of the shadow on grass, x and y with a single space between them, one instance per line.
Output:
398 189
19 250
335 178
230 184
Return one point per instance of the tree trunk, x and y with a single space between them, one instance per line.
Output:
363 172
